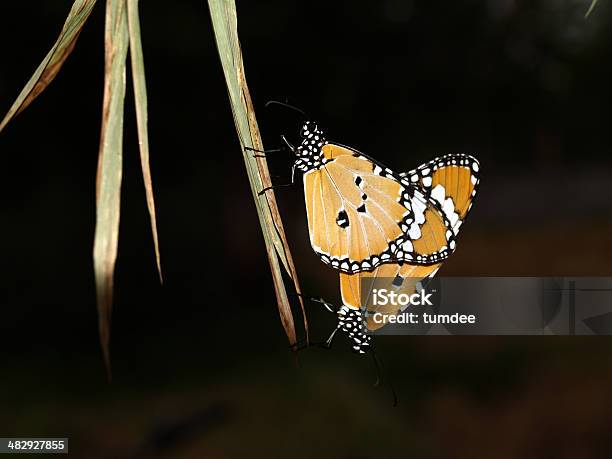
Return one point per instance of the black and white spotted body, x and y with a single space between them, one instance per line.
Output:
351 321
309 152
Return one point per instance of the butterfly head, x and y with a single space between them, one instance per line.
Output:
310 151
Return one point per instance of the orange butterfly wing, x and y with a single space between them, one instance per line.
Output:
451 181
362 215
354 215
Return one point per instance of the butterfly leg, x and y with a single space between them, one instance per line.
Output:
285 146
264 152
330 307
322 344
279 186
268 188
329 341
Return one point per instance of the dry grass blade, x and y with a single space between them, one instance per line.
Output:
51 64
223 14
591 8
140 99
108 186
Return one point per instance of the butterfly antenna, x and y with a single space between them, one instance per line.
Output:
380 372
283 104
291 147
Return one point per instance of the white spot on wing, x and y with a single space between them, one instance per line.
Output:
419 207
414 232
438 193
457 226
448 207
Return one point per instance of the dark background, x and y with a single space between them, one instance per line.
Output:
201 365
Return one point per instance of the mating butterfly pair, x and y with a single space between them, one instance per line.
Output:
371 223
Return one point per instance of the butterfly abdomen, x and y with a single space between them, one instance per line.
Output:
350 321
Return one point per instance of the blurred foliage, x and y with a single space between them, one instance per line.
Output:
591 8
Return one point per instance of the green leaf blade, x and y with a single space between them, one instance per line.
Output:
108 186
140 100
53 61
223 15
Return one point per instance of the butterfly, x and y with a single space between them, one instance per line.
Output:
445 181
362 215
